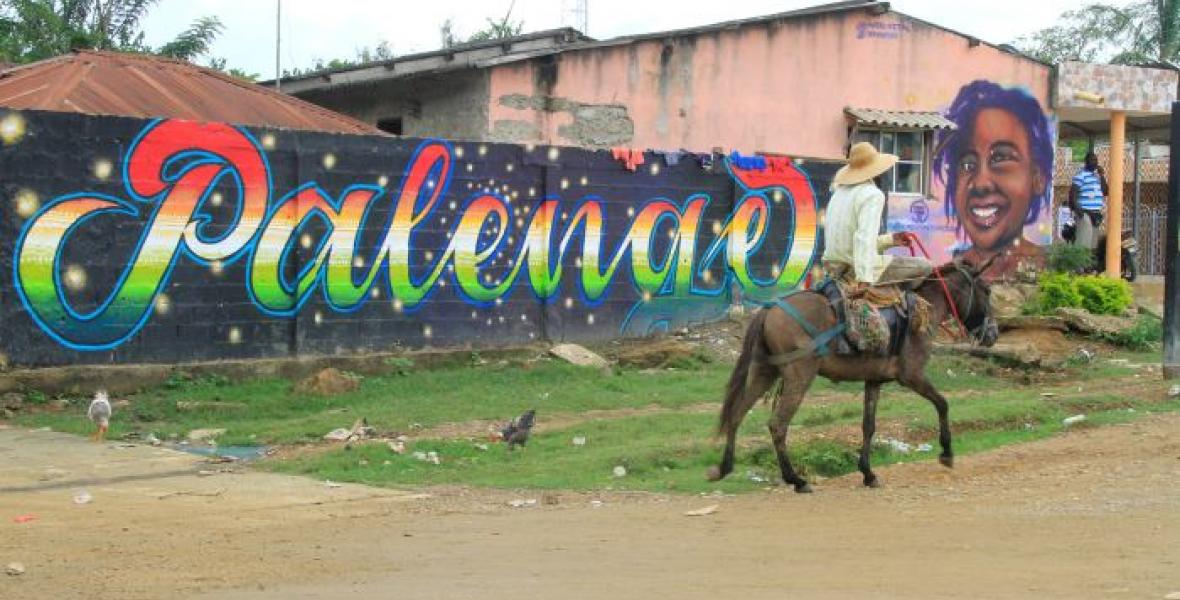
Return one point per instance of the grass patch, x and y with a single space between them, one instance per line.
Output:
667 450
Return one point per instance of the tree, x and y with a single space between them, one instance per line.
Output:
498 30
1143 31
32 30
379 53
446 33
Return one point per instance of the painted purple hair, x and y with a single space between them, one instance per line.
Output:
975 97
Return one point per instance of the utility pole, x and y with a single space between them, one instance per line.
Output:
278 40
1172 246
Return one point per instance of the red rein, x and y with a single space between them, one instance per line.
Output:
938 274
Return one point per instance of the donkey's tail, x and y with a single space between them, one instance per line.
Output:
736 388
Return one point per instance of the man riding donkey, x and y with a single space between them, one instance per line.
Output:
791 340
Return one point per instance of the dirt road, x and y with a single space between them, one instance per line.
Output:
1091 514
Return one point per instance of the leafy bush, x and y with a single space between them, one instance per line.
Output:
1143 335
1068 258
1057 290
1104 296
1094 293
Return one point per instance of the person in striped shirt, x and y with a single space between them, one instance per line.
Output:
1087 198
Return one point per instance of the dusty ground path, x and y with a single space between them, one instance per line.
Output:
1094 513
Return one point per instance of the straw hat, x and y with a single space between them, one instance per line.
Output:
864 163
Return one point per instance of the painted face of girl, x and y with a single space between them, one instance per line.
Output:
997 180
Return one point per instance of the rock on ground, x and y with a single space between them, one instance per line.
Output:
578 355
328 382
1089 324
659 354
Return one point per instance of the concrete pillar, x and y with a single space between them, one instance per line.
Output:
1114 205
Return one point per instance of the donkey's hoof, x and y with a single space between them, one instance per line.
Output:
947 461
714 473
873 483
803 488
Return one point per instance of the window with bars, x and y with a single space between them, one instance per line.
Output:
909 175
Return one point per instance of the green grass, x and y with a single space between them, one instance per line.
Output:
671 451
661 450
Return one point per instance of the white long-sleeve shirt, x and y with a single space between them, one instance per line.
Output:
851 227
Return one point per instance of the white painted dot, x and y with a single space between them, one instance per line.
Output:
630 212
647 296
305 241
12 128
27 203
429 255
499 302
470 167
569 303
502 319
590 319
716 226
375 293
427 331
268 141
358 262
216 267
398 306
565 183
163 304
474 315
524 318
532 192
483 150
459 152
382 181
554 154
329 161
235 335
510 167
103 169
584 181
578 262
655 168
318 318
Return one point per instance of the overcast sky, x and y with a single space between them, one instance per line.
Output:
314 29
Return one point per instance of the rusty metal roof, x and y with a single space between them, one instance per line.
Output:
901 119
139 85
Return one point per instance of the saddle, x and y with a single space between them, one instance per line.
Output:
876 323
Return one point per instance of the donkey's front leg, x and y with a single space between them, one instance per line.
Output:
868 427
924 388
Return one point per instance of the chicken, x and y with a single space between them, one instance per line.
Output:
100 413
516 432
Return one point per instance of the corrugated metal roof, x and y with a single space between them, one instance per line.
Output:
138 85
903 119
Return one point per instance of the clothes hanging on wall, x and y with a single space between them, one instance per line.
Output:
630 157
705 159
672 157
747 163
778 164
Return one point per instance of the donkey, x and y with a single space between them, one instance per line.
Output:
777 346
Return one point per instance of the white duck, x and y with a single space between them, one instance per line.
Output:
100 413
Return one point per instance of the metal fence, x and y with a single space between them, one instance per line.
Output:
1153 227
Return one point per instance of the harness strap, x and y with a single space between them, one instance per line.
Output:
817 346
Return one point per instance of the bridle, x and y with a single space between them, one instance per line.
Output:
975 333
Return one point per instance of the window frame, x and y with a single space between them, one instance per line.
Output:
925 139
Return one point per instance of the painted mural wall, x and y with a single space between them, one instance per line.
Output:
991 182
171 241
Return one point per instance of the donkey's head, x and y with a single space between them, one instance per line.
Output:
972 296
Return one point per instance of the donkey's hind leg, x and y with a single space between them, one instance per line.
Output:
760 378
796 379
